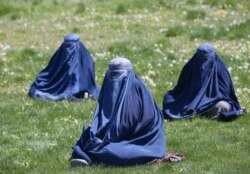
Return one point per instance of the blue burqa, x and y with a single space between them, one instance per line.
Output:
69 75
127 127
203 82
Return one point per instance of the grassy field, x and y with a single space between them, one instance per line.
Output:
158 36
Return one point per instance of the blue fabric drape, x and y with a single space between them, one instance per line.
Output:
69 74
203 82
127 127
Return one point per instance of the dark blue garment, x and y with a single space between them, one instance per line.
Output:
203 82
69 74
127 127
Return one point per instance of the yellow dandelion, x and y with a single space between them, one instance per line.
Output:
221 12
124 24
153 18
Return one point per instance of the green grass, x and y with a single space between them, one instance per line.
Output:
158 37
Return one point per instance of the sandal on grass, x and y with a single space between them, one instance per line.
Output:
174 157
169 157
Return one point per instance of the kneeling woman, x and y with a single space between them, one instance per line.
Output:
204 88
127 127
70 74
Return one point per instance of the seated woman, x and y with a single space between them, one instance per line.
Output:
70 74
204 88
127 127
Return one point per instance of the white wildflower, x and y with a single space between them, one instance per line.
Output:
150 72
235 78
238 90
148 80
12 73
163 30
5 48
104 54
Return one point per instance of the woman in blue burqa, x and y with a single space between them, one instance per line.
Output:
204 88
70 73
127 128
